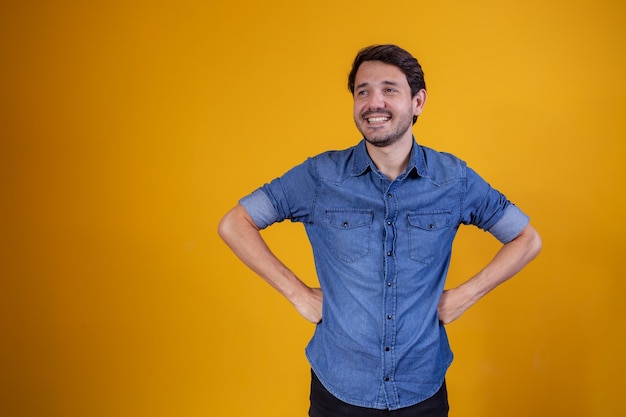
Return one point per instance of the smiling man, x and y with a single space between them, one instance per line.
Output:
381 218
384 105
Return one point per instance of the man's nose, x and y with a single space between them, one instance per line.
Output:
376 101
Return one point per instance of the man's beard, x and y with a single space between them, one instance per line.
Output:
383 139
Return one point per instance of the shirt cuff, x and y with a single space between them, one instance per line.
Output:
259 207
512 222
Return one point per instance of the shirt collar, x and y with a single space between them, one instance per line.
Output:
363 162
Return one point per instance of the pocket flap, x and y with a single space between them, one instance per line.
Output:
431 220
348 219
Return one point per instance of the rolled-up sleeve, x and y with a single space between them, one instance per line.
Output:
259 207
512 222
289 196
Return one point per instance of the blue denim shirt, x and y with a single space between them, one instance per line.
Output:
382 250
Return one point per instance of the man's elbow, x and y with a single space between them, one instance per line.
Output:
234 223
225 227
534 241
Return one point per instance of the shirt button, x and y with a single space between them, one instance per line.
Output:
389 195
388 223
389 284
389 253
389 317
386 379
387 349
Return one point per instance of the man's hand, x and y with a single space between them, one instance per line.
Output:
310 305
451 306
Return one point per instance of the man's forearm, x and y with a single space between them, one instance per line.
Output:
509 260
242 235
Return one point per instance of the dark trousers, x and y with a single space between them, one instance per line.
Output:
324 404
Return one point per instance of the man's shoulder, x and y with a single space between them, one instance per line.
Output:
334 163
442 166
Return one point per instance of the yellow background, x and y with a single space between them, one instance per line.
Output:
128 128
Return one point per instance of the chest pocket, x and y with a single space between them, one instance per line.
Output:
349 232
426 230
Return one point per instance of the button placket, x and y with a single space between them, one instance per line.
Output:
389 295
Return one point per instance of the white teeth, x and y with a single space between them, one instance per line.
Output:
377 119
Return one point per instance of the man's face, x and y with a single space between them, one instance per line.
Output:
383 106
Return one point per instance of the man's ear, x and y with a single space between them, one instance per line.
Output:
419 100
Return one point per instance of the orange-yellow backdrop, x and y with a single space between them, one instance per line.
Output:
129 127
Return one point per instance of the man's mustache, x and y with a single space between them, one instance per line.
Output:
371 112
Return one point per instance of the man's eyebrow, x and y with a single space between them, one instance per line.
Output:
365 84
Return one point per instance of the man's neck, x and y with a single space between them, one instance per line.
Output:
391 160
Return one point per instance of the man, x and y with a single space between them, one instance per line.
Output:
381 217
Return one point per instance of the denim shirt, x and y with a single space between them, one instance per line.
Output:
382 250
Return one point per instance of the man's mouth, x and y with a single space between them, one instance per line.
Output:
377 119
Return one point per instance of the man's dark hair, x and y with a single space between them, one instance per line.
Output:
393 55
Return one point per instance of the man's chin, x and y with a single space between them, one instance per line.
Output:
374 137
380 142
